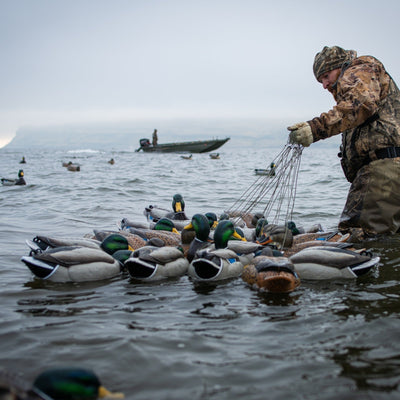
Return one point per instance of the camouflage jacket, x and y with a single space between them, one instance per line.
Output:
367 112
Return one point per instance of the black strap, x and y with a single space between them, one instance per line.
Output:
387 152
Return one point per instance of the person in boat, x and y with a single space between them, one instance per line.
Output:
155 138
367 113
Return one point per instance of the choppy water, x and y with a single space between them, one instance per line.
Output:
175 340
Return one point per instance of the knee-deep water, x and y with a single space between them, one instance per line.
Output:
175 339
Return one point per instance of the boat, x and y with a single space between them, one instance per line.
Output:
196 146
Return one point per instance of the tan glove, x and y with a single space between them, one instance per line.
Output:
301 134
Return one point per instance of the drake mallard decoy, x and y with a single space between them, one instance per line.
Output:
328 262
72 264
164 229
11 182
277 235
53 384
214 156
78 263
46 242
154 213
135 241
201 226
151 263
271 274
225 258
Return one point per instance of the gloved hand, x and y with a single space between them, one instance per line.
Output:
301 133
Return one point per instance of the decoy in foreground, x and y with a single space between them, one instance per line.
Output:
55 384
323 262
271 274
72 264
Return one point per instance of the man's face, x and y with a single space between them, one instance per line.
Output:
329 78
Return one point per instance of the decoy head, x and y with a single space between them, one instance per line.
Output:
224 232
261 223
201 225
165 224
178 204
292 226
115 242
71 384
212 219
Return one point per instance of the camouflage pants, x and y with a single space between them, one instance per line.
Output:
373 202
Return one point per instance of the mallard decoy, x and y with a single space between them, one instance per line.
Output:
152 263
111 161
53 384
72 264
127 223
226 258
154 213
201 226
187 157
164 229
74 167
45 242
315 243
327 262
23 161
277 235
79 263
271 274
214 156
135 241
12 182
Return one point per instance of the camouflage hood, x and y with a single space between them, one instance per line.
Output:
330 58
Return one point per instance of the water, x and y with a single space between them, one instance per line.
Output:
174 339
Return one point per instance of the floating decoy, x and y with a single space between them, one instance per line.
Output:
226 258
55 384
154 213
72 264
23 161
46 242
271 274
111 161
214 156
164 229
201 226
327 262
11 182
151 263
187 157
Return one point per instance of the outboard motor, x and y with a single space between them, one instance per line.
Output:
144 142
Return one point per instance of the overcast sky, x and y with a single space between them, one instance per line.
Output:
72 61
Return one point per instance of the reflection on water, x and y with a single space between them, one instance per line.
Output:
177 339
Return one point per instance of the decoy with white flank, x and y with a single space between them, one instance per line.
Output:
72 264
154 213
12 182
151 263
55 384
78 263
327 262
226 258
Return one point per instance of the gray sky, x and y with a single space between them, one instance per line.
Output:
72 61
